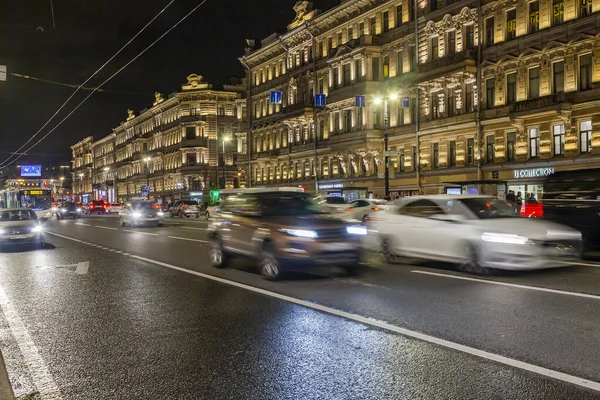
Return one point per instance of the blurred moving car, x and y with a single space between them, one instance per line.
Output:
478 233
362 209
97 207
20 226
190 209
115 208
67 210
282 231
213 209
331 202
573 198
140 213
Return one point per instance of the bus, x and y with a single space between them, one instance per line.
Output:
39 200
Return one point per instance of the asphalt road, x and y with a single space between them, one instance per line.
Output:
110 312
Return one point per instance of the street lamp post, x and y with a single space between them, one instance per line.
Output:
106 169
147 160
225 140
81 186
385 140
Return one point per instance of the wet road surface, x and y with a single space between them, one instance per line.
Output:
112 312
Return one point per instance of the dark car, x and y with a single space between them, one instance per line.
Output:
573 198
20 226
68 210
98 207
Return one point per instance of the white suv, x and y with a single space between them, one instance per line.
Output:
479 234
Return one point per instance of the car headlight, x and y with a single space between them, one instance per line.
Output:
2 231
63 210
356 230
301 233
136 215
507 238
36 229
160 214
78 210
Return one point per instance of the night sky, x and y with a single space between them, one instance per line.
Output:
88 32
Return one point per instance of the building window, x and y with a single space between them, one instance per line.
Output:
489 31
190 132
436 155
435 106
490 92
339 39
386 21
451 103
470 37
359 118
346 72
401 160
358 73
433 5
534 142
585 136
585 8
489 153
336 122
400 117
411 58
558 12
386 67
375 68
511 88
361 29
415 158
347 120
534 83
399 62
336 77
511 142
469 97
399 15
470 151
511 24
585 72
372 26
350 33
450 42
558 78
558 132
452 153
434 51
220 111
534 16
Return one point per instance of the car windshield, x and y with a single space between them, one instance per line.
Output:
70 206
487 208
288 205
17 215
142 206
331 200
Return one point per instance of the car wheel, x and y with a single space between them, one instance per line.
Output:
269 265
471 263
365 218
386 251
216 253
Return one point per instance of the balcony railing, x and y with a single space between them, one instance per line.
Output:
197 142
446 61
541 102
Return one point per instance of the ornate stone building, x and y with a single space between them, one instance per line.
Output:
180 147
506 94
82 167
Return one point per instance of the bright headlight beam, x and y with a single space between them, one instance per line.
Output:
301 233
356 230
136 215
36 229
507 238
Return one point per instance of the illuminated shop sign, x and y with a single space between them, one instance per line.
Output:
332 186
195 194
533 172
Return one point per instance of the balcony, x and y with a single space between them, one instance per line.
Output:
197 142
297 148
266 120
269 85
355 89
296 110
190 119
397 33
463 60
541 104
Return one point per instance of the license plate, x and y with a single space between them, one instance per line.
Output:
18 236
337 246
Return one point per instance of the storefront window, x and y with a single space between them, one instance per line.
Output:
585 132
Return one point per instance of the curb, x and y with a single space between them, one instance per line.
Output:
6 391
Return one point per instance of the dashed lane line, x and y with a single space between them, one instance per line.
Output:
188 239
194 229
584 264
141 233
82 224
105 227
575 380
514 285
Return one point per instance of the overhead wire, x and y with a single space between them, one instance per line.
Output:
87 80
76 86
108 79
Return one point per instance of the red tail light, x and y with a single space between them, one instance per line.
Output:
368 219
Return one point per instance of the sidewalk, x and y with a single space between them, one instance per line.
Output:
6 392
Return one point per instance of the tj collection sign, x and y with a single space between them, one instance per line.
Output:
533 172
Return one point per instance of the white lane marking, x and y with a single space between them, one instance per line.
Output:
105 227
80 268
386 326
194 229
82 224
585 264
515 285
142 233
37 367
190 240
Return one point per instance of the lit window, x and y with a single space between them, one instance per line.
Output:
585 136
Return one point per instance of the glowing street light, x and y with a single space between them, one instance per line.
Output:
379 100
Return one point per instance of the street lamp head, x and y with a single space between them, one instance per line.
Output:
106 169
226 139
81 175
147 159
378 100
393 97
62 178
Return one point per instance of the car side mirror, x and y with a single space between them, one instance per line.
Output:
448 217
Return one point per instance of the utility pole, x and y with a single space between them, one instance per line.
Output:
385 148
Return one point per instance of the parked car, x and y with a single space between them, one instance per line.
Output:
363 209
283 231
20 226
139 213
68 210
477 233
97 207
213 209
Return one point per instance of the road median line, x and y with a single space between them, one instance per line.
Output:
188 239
575 380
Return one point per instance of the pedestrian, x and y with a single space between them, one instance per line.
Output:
510 197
